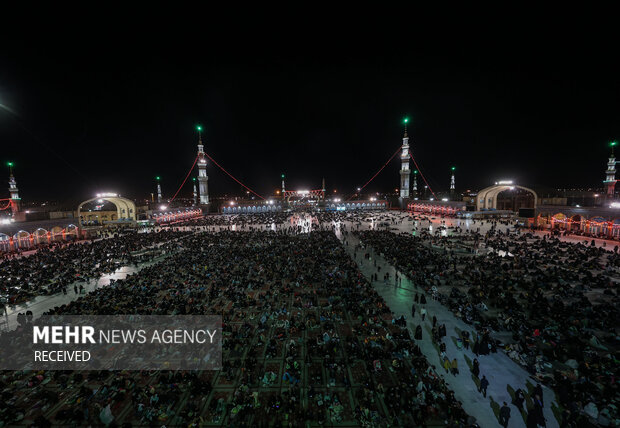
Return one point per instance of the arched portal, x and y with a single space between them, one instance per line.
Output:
125 208
487 198
597 226
72 232
22 239
40 236
559 221
575 223
5 242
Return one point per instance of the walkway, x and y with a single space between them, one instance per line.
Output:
41 304
504 375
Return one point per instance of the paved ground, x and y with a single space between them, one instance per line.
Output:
42 304
504 375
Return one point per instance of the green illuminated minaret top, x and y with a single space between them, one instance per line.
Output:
199 129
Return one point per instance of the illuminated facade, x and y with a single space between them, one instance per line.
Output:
283 188
15 199
404 168
610 174
452 184
203 180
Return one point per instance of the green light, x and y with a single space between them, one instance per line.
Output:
613 143
405 120
453 168
157 178
9 163
193 178
282 175
199 128
415 171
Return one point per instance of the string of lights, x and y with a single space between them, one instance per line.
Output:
588 222
186 177
422 175
377 173
231 176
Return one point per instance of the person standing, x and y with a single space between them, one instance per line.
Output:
418 332
466 339
476 368
504 415
538 411
423 313
519 399
455 367
484 384
476 347
531 421
539 392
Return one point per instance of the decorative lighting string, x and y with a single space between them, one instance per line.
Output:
377 173
186 177
231 176
422 175
588 222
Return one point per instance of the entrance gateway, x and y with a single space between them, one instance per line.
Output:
487 197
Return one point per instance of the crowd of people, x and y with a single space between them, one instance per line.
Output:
55 268
557 300
306 338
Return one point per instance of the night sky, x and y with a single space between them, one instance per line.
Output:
107 109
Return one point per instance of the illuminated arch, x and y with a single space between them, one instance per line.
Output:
125 208
487 197
22 239
72 230
40 236
5 242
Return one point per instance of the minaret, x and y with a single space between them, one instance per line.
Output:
158 189
283 188
404 168
323 188
203 180
610 179
415 183
452 186
195 192
13 190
